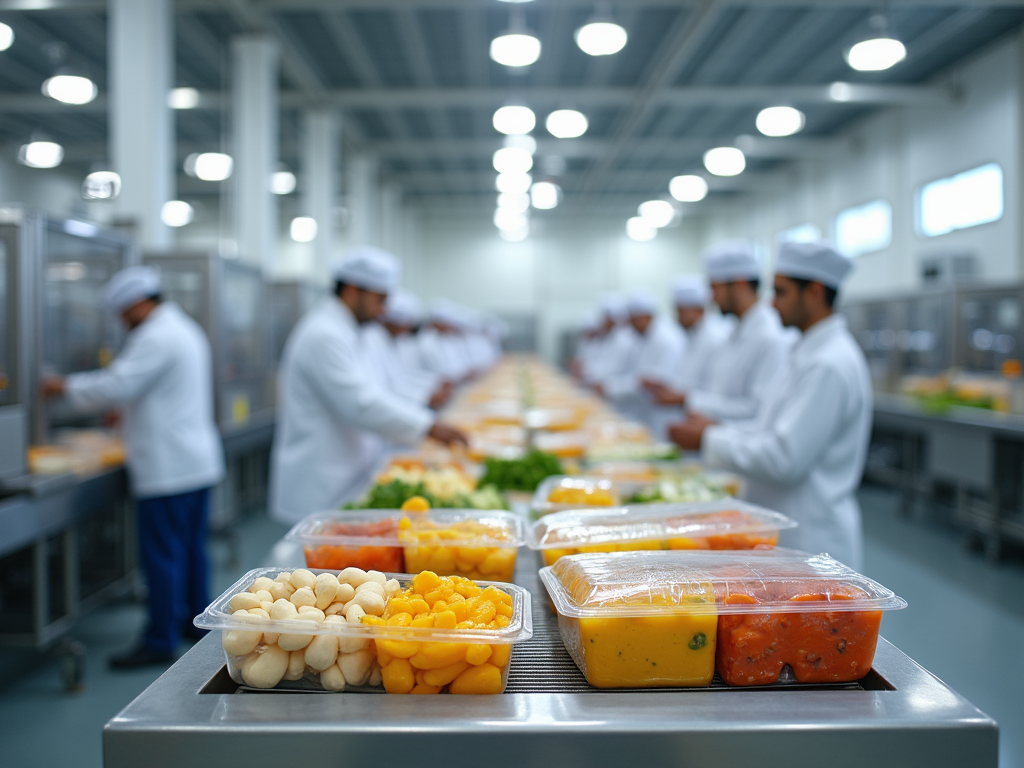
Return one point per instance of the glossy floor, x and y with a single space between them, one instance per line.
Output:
965 623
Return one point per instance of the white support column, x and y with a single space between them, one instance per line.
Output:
320 154
255 138
141 51
363 192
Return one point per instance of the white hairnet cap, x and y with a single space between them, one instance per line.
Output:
369 268
731 261
445 311
130 286
403 308
818 262
641 303
613 305
690 291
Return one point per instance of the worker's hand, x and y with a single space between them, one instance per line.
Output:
663 395
441 395
689 433
450 436
51 387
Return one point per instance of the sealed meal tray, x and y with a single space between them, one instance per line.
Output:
360 630
478 544
656 619
561 492
723 524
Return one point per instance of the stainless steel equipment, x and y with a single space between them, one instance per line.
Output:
989 328
195 715
289 300
925 337
228 299
875 326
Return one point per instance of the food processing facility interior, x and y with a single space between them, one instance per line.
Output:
535 382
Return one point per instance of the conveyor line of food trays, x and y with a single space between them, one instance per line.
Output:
195 715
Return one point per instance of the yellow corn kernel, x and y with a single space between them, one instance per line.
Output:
400 620
483 613
500 655
442 560
446 620
460 610
425 582
419 605
439 607
468 589
402 649
503 610
398 676
373 621
404 524
398 605
437 655
418 675
424 621
432 597
455 597
445 675
473 555
483 679
502 621
383 657
478 654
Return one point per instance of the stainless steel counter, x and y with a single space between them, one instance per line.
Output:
901 715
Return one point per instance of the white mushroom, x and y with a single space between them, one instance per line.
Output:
322 652
356 667
266 668
332 679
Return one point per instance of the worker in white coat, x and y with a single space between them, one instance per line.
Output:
441 347
612 354
333 413
655 356
745 367
805 453
162 384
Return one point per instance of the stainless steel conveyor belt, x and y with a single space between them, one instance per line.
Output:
900 715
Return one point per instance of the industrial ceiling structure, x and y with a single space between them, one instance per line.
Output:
416 86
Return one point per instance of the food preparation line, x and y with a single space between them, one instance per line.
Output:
900 714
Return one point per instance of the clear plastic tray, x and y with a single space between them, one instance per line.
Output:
475 543
542 504
219 615
722 524
747 614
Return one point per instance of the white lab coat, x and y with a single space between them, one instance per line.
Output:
333 412
443 354
382 355
745 368
612 354
805 453
703 340
654 355
163 383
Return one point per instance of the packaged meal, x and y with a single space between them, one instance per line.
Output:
454 632
562 492
649 619
478 544
724 524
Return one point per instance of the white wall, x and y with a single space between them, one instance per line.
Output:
890 155
50 189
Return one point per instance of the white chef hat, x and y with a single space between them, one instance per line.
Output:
690 291
130 286
640 303
445 311
403 308
731 261
613 305
369 268
819 262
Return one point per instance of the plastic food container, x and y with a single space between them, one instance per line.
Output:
723 524
259 661
477 544
561 492
565 445
762 611
683 487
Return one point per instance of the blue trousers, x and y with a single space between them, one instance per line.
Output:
172 542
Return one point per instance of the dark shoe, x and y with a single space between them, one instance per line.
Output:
140 657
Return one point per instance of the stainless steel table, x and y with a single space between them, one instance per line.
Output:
901 715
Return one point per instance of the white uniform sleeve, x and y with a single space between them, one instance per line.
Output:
349 394
765 372
785 449
139 366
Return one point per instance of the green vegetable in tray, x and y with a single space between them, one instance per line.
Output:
394 493
523 474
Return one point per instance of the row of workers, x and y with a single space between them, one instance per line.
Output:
355 381
779 393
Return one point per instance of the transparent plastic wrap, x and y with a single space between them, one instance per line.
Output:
276 646
478 544
723 524
562 492
655 619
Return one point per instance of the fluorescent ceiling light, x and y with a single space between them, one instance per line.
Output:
601 38
780 121
514 119
516 183
303 229
514 201
657 213
640 230
512 160
209 166
183 98
566 124
101 185
515 235
6 37
41 154
282 183
522 141
877 54
545 195
70 89
508 219
688 189
177 213
515 49
725 161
